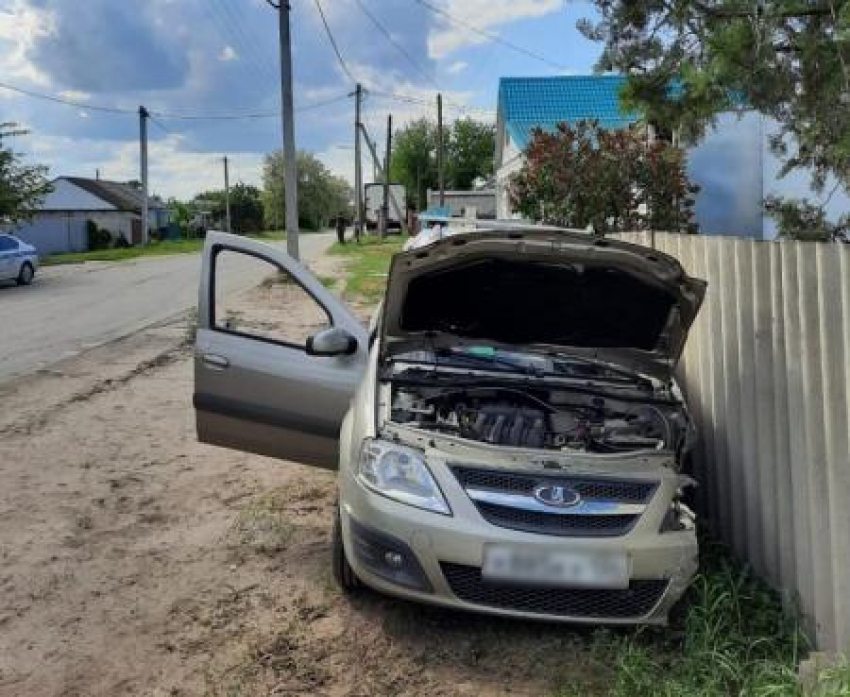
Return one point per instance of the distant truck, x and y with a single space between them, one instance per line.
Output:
374 200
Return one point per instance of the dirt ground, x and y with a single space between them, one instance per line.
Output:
136 561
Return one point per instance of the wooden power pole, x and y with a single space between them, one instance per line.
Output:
440 177
143 159
358 176
227 196
385 206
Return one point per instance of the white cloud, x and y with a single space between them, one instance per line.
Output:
339 159
228 53
21 26
457 67
447 37
75 95
174 171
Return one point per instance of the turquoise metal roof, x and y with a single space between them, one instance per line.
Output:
526 103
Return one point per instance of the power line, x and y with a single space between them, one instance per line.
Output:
410 99
401 49
231 31
165 114
333 41
490 36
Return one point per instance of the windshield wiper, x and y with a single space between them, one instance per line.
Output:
602 370
489 360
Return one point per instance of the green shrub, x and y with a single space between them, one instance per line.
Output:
98 238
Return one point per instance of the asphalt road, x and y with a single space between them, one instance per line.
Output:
69 309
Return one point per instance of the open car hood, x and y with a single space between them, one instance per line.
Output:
542 289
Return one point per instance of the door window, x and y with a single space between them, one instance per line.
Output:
7 243
256 298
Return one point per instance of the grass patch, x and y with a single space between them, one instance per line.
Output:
367 265
154 249
732 638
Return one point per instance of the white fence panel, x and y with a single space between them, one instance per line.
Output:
767 373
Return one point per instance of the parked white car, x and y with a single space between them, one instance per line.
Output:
509 436
18 260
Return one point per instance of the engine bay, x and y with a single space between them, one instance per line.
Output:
552 419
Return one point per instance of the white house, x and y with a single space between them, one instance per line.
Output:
60 223
733 164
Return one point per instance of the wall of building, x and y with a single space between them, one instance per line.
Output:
463 203
117 222
767 373
511 162
55 233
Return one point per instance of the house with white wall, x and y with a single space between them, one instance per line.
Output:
60 222
732 164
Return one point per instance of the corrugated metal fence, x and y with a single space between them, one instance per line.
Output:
767 372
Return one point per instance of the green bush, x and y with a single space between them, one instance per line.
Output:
97 237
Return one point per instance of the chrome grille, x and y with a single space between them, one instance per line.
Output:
620 490
633 602
609 507
532 521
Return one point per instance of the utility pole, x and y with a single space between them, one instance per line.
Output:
377 164
143 152
227 195
358 176
385 206
290 167
440 179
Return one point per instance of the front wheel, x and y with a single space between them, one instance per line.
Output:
342 571
25 275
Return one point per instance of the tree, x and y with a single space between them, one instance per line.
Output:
469 153
584 175
322 196
22 186
788 59
246 207
414 160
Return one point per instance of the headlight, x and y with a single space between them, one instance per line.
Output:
400 473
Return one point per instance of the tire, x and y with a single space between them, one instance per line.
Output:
343 573
25 275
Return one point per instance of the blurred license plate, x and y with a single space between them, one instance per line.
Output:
576 568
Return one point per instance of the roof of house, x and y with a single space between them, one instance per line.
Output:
124 196
526 103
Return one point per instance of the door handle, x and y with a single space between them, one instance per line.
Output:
214 361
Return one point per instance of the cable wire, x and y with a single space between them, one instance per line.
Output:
401 49
166 114
490 36
333 42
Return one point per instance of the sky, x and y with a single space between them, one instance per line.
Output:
221 57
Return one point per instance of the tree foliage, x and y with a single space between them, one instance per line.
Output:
414 160
584 175
805 221
788 59
469 148
246 207
322 196
22 186
470 153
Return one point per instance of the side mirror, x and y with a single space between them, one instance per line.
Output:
333 341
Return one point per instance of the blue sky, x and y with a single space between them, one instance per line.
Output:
221 56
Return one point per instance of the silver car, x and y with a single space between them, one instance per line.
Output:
508 434
18 260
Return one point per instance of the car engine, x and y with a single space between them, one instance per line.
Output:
555 419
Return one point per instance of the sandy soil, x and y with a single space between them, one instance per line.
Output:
135 561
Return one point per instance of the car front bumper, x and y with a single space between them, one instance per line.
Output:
438 558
